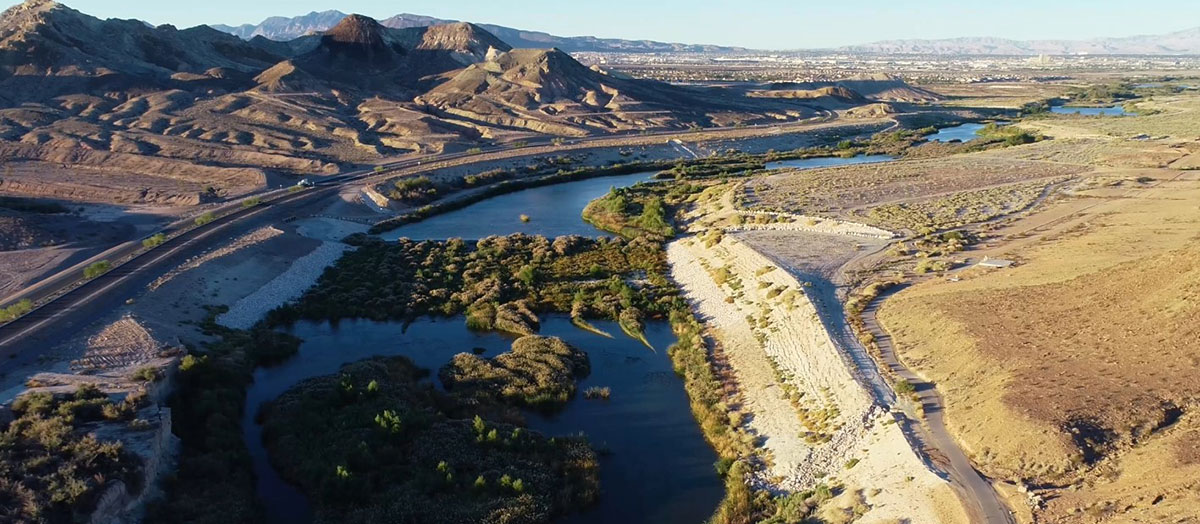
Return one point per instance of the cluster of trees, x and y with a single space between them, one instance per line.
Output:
51 468
419 190
630 212
499 282
375 443
1102 93
1009 135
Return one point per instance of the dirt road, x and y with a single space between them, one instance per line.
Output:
824 261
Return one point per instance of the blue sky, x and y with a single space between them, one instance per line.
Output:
765 24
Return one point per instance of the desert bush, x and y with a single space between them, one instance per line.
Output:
96 269
154 241
54 470
597 393
146 374
10 313
206 218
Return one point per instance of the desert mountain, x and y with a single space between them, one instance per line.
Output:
118 111
359 52
1185 42
283 29
546 90
48 48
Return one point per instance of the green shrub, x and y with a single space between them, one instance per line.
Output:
96 269
146 374
154 241
10 313
205 218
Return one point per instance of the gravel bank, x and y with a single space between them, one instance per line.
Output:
287 286
775 342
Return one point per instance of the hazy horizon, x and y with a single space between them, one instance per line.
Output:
770 24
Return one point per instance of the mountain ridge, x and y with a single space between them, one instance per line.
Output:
281 28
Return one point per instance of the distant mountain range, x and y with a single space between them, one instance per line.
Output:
282 29
1186 42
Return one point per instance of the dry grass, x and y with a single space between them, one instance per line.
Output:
840 191
1086 353
1178 117
998 95
956 210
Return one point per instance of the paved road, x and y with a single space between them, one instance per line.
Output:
972 485
68 306
22 340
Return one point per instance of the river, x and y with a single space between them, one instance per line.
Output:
1089 111
656 466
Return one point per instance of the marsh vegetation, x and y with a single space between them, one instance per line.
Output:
377 443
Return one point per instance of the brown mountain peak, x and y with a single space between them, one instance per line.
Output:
357 30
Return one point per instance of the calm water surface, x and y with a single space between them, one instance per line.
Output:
961 132
1089 111
657 468
813 163
553 211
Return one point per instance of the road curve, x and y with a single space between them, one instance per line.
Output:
973 487
23 339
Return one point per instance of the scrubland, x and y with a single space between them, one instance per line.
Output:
1070 374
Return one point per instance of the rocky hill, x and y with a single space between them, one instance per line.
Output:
118 111
549 91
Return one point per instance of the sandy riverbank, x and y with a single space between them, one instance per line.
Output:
815 421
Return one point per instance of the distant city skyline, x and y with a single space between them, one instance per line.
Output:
761 24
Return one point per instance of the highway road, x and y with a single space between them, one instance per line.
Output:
67 302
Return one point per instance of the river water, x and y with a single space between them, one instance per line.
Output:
1089 111
961 133
656 466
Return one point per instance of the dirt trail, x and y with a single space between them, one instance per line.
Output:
976 489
